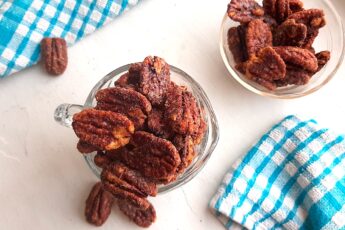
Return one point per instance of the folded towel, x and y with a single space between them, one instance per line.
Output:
293 178
24 23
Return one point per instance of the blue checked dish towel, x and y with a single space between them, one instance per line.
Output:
293 178
24 23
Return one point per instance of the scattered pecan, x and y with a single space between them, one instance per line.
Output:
122 177
268 65
141 217
322 59
54 55
154 79
244 10
98 205
125 101
258 36
182 111
185 147
85 147
290 33
105 130
299 57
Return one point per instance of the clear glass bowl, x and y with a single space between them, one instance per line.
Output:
331 38
64 113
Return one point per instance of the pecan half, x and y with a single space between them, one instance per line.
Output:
154 79
244 10
98 205
125 101
152 156
237 44
182 111
282 10
141 217
294 76
157 124
131 78
290 33
122 177
268 66
105 130
54 55
85 147
299 57
258 36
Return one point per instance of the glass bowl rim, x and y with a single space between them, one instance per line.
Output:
194 169
233 73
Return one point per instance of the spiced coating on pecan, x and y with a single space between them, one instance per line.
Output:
244 11
141 217
282 10
105 130
199 134
54 55
258 36
296 6
185 147
101 159
270 7
290 33
132 181
154 79
182 111
85 148
299 57
156 123
237 44
294 76
268 65
125 101
322 58
98 205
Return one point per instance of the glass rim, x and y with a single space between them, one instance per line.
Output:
212 122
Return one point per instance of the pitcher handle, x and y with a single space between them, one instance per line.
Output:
64 113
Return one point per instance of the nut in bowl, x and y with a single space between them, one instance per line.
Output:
145 128
258 37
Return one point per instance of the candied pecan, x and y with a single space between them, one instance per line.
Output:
182 111
244 10
141 217
237 45
158 125
105 130
241 67
54 55
124 82
290 33
295 5
122 177
125 101
270 7
294 76
314 19
152 156
98 205
282 10
299 57
322 59
185 147
85 147
154 79
101 159
258 36
268 65
198 135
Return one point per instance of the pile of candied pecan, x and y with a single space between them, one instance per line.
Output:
273 45
145 130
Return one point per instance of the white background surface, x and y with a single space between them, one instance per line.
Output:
44 181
